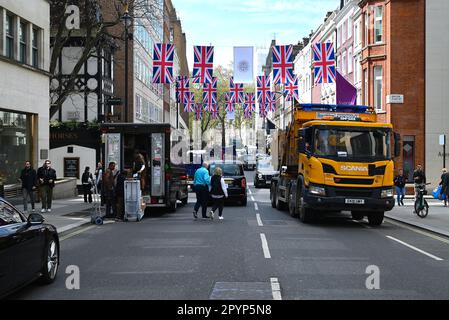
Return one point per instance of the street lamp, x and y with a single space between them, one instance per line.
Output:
126 20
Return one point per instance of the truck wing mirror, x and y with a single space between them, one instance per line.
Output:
397 144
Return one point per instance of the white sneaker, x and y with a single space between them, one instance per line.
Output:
43 211
221 218
211 215
48 210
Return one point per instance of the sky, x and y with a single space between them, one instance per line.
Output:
228 23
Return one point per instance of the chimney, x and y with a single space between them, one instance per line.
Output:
305 41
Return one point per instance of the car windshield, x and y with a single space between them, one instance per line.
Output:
265 166
363 144
229 169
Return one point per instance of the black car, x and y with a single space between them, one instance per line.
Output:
29 249
234 177
264 173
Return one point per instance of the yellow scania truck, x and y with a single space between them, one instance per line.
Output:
334 158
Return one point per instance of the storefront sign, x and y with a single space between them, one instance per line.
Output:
395 98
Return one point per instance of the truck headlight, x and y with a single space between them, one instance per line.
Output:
319 191
388 193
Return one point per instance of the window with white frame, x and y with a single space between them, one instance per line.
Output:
339 63
349 28
350 59
339 37
23 42
356 74
366 40
345 32
356 34
344 62
378 24
35 50
365 90
378 87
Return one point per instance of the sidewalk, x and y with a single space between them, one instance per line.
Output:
436 221
66 214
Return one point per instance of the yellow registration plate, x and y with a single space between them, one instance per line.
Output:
229 182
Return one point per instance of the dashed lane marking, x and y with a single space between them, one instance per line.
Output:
259 220
276 289
256 206
266 250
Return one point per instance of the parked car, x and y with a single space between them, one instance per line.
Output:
249 162
234 177
29 249
264 173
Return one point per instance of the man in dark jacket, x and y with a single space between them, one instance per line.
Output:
419 178
28 177
120 195
399 182
46 176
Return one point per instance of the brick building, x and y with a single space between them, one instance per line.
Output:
393 71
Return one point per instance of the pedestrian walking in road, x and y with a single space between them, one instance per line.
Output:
399 182
46 178
28 177
120 195
98 180
201 184
219 191
109 184
87 180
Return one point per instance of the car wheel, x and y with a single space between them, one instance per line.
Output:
357 215
375 218
51 264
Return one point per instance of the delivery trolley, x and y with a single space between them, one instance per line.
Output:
133 201
98 212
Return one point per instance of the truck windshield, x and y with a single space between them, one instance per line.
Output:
362 144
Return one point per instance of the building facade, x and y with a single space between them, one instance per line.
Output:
24 85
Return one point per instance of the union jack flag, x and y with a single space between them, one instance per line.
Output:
189 101
263 110
203 65
210 94
237 94
250 102
263 88
214 112
291 89
163 63
271 104
230 106
182 87
198 111
282 63
247 114
324 62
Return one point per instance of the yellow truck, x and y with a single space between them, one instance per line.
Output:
335 158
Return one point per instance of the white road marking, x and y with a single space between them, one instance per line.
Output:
67 236
276 289
252 198
416 249
266 251
249 191
255 206
259 221
424 233
362 224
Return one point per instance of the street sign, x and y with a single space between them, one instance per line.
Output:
114 102
395 98
442 139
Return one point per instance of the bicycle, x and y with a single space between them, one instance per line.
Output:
421 206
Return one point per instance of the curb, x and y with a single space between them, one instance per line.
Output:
420 226
63 231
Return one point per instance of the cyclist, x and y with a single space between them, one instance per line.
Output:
419 178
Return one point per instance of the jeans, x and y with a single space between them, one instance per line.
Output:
400 192
218 204
87 192
46 196
202 198
27 194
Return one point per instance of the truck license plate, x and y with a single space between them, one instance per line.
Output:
354 201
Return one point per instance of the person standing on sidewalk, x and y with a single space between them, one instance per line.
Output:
109 185
47 177
445 186
218 191
28 177
87 180
399 182
98 180
201 184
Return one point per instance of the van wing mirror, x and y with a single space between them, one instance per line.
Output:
397 144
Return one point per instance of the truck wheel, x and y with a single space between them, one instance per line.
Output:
293 207
306 215
173 206
273 195
280 205
357 215
376 218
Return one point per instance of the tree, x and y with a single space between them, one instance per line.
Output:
99 21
